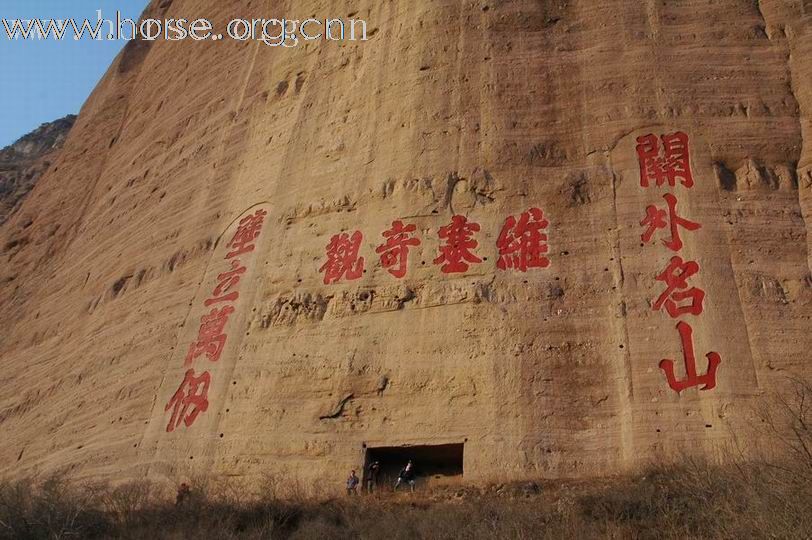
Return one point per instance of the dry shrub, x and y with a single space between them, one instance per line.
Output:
764 498
692 500
48 509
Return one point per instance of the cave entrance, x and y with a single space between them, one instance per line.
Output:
433 463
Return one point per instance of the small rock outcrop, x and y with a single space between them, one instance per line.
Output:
24 162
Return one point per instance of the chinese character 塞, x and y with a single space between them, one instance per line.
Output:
456 252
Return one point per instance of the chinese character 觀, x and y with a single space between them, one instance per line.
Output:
343 259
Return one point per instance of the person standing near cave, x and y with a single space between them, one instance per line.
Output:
372 476
352 484
406 476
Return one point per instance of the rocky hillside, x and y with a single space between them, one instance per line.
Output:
22 163
512 239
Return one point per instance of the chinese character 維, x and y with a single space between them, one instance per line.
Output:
521 244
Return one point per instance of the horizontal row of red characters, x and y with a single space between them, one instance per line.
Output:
522 245
522 242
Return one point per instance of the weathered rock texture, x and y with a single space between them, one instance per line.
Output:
483 109
22 163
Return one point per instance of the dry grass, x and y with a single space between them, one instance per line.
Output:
752 499
693 500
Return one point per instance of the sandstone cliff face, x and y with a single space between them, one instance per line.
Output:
478 109
22 163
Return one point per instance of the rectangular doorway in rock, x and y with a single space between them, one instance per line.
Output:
434 463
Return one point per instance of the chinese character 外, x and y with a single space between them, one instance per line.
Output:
657 218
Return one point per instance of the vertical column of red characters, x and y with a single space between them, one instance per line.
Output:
665 161
191 398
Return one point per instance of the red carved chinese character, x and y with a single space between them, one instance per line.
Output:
692 379
675 276
247 231
672 163
210 336
192 393
656 219
343 259
521 245
459 243
225 281
395 251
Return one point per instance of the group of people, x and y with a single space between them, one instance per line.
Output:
406 476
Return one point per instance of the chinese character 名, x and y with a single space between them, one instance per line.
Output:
191 394
225 281
656 219
672 163
459 243
247 231
708 380
343 259
395 251
521 244
675 277
210 337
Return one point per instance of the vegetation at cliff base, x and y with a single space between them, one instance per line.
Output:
745 498
693 500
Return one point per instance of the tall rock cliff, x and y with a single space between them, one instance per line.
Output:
603 214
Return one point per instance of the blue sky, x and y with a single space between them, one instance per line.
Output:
42 80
